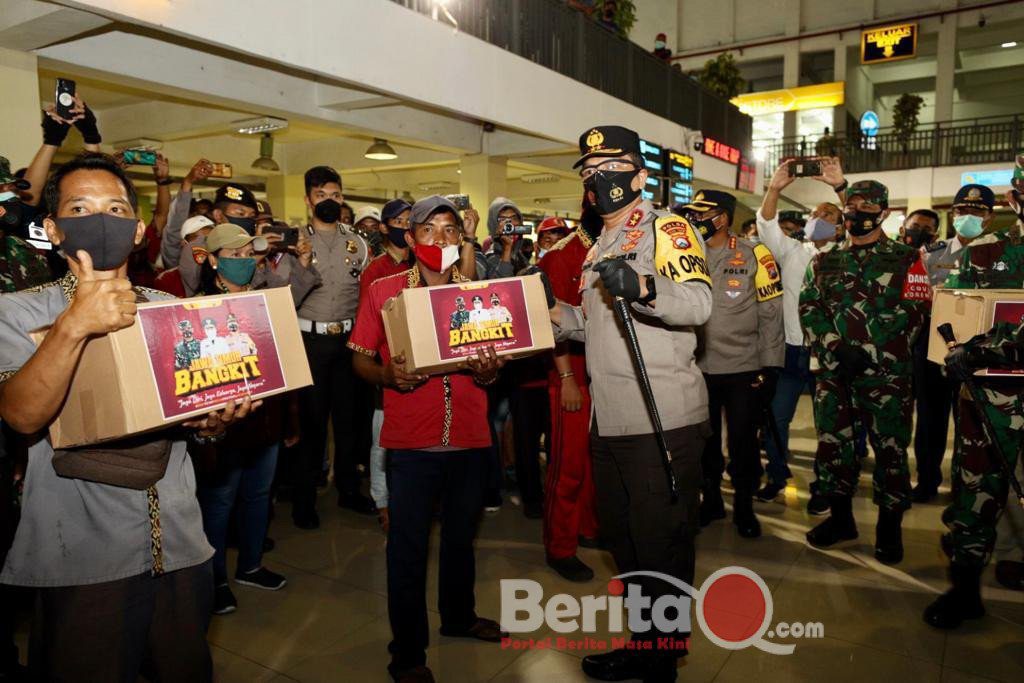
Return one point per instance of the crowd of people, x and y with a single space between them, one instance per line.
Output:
127 566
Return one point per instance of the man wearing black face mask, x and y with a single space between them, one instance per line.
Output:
862 307
920 228
655 261
235 204
325 317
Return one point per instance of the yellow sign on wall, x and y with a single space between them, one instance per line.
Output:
791 99
888 43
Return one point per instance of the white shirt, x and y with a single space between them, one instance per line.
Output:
793 258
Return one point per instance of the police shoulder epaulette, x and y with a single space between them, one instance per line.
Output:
560 244
935 246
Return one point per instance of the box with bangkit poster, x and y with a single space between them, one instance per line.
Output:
439 328
972 312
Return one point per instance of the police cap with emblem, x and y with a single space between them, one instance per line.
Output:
236 193
607 141
709 200
975 197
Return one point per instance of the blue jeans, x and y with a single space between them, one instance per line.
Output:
796 376
246 476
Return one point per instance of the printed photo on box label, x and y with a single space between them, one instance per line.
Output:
472 316
1007 312
206 352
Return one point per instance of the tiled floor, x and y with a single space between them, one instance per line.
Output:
330 623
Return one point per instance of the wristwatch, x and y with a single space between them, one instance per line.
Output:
165 181
651 293
842 187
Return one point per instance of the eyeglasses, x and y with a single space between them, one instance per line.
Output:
613 166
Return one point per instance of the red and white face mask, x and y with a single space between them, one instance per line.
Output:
435 258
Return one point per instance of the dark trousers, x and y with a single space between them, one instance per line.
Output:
531 419
795 378
416 479
331 397
742 414
111 632
933 397
644 528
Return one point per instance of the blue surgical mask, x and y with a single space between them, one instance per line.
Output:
238 271
968 226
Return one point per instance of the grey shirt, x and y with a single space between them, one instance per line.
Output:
940 258
745 331
339 258
170 240
75 532
659 244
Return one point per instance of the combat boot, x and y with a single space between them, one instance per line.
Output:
889 536
711 505
961 602
840 526
624 664
743 514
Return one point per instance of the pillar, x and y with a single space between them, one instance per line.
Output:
19 106
483 178
790 79
286 194
945 70
839 74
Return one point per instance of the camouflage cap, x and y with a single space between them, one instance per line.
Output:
871 190
184 324
5 171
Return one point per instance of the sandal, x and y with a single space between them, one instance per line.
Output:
482 629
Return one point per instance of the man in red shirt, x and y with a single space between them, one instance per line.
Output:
394 223
569 514
436 431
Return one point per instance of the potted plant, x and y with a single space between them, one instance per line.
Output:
721 76
904 118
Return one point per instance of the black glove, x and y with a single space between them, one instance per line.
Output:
960 364
548 292
853 360
54 131
87 127
619 279
769 383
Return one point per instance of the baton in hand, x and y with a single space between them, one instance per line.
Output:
946 332
622 310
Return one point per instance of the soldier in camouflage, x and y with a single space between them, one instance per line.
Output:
187 350
21 266
862 307
993 261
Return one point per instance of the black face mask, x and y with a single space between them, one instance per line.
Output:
107 239
917 238
397 236
327 211
705 226
247 224
12 214
860 223
612 190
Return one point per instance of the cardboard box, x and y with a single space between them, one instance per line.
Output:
972 312
150 376
439 328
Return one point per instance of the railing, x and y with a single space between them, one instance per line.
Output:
553 35
953 143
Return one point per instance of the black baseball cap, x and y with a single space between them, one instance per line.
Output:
975 196
236 193
793 217
393 208
428 206
707 200
607 141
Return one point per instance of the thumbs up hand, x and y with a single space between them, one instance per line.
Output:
99 306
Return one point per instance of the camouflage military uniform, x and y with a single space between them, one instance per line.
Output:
21 266
185 352
860 296
980 488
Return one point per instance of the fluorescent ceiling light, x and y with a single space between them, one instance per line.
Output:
1012 43
258 126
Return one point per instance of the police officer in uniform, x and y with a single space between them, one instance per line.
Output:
741 352
325 318
655 261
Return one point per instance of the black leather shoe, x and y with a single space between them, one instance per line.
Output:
623 665
817 505
840 526
588 542
711 505
744 518
357 502
306 520
419 674
923 494
889 536
961 602
571 568
1010 574
770 492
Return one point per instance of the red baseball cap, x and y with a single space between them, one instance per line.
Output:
552 223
